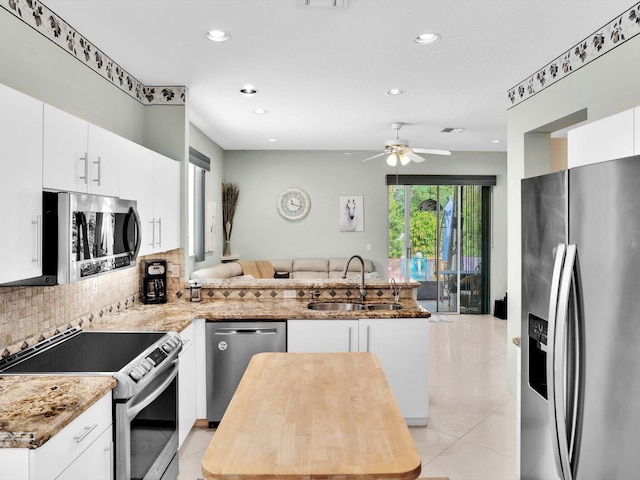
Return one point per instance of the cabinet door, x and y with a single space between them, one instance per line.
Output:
21 182
605 139
65 162
166 193
106 151
322 336
136 183
402 347
187 384
95 463
73 441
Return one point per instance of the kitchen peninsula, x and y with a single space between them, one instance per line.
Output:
388 333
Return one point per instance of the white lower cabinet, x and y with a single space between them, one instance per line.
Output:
95 462
81 450
187 384
322 336
401 345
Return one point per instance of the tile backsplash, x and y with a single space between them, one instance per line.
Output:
27 313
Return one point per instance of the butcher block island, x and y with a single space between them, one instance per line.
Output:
298 416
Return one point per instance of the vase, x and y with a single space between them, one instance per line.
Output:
227 243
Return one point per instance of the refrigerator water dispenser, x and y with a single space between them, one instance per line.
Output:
538 354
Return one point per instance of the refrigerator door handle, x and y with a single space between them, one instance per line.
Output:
560 252
557 361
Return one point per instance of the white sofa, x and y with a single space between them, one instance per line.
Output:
305 268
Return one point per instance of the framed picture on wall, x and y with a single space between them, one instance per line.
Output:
351 213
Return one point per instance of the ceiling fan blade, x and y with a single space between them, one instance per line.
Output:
375 156
414 157
431 151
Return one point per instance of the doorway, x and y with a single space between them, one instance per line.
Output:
439 235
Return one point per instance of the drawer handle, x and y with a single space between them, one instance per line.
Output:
87 431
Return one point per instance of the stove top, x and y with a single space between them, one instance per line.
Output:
133 358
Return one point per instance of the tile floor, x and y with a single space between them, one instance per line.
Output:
472 418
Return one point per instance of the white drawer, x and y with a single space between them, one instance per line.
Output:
60 451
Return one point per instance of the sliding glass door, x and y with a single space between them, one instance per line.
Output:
439 236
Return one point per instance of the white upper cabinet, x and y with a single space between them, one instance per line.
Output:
605 139
78 156
21 184
153 180
136 183
166 193
106 152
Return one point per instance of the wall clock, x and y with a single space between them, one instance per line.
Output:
293 204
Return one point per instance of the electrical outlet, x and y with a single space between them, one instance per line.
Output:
368 247
95 285
175 270
289 294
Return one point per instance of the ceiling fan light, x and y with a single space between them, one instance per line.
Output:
392 160
248 90
217 36
427 38
404 159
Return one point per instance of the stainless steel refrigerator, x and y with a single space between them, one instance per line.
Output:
581 323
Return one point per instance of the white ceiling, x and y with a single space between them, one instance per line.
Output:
322 73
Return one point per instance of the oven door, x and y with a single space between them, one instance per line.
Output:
146 431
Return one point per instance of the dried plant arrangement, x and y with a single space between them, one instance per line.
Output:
230 193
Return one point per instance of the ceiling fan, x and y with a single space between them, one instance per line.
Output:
398 150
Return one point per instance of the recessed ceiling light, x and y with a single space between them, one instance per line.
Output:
217 36
260 111
496 141
248 90
272 139
395 91
427 38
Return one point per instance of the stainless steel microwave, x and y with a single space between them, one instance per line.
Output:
85 235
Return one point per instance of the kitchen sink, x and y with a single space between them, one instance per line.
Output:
335 306
384 306
347 306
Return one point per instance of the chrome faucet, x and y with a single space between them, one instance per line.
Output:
395 289
363 292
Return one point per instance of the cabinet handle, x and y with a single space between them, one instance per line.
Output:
368 338
350 333
37 259
160 232
87 431
153 232
85 159
99 163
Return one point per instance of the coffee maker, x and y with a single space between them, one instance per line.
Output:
155 282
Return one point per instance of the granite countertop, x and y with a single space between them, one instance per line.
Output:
178 315
306 283
34 408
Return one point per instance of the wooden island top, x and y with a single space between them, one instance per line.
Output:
307 416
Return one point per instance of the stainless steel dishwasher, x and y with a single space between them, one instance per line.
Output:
230 346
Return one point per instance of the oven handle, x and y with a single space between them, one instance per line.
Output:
136 408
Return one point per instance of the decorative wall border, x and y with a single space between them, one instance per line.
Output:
39 17
610 36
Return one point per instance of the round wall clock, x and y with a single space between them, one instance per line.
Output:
293 204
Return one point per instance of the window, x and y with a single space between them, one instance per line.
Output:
199 164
